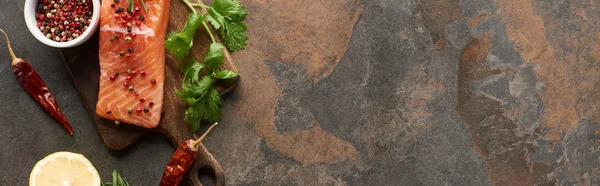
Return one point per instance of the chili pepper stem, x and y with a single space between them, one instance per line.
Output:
194 144
15 59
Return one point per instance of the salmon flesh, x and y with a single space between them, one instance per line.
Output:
132 61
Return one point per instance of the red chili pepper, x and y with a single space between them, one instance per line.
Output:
182 159
37 88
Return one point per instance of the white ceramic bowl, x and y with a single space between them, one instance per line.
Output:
30 20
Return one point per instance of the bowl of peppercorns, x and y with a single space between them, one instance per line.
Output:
62 23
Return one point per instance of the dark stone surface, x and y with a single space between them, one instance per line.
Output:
447 92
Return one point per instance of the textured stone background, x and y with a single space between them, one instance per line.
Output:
378 92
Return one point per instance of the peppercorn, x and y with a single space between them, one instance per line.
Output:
138 110
112 77
116 74
151 104
142 100
130 110
153 82
63 15
131 88
130 50
108 111
121 53
129 29
126 84
146 110
116 1
112 39
117 122
128 39
136 94
128 71
128 78
112 5
141 18
143 73
117 36
119 10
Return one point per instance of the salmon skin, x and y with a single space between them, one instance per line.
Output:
132 61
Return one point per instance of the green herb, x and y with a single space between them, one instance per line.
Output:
180 43
214 56
197 88
117 180
130 9
204 100
227 16
144 6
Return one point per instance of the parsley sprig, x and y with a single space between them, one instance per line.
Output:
199 80
227 17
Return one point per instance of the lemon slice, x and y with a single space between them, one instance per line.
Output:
64 169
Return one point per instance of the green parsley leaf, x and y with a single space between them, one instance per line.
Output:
214 56
224 74
187 65
190 85
207 108
234 36
180 43
227 15
230 9
216 19
205 85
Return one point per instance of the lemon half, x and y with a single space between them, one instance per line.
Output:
64 169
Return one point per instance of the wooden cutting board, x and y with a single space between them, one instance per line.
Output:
83 64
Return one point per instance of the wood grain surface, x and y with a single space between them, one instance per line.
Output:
83 64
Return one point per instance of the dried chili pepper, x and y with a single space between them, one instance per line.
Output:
182 159
37 88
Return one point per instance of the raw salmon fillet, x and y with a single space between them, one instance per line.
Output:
132 46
